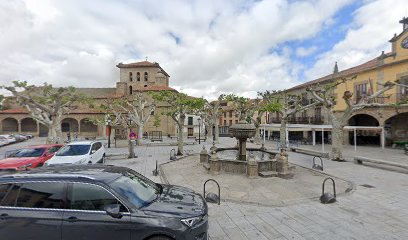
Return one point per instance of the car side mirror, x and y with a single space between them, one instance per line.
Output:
93 151
113 210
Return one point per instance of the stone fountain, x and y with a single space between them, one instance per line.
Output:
253 162
242 131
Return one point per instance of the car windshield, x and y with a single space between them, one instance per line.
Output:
73 150
26 152
135 189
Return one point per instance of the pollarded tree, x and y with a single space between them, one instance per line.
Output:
325 95
215 111
241 106
138 108
128 112
205 115
286 105
47 104
179 104
255 115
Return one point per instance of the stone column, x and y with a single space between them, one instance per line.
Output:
283 165
252 167
215 165
203 156
242 150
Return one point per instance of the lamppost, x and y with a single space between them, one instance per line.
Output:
108 128
199 130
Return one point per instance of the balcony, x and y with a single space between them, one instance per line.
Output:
402 97
299 120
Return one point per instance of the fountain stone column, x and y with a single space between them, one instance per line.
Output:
242 131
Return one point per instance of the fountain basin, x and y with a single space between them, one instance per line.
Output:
227 159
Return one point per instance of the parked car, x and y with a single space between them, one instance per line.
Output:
8 138
3 142
29 136
97 202
84 152
28 157
19 137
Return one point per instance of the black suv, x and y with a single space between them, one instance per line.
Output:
97 202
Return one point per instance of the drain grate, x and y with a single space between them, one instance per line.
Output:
367 186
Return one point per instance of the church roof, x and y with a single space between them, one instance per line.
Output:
155 88
13 111
142 64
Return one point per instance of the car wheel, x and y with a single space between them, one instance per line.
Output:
102 159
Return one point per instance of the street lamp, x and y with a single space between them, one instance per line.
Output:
199 130
108 128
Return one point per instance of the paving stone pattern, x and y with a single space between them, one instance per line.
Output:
380 212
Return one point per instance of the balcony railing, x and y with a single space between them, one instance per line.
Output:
402 97
299 120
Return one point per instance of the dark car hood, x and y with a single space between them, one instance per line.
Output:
178 201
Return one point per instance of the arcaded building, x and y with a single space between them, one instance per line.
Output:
370 76
142 77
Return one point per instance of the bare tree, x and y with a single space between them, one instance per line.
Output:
286 105
138 109
47 104
129 112
254 116
325 96
180 104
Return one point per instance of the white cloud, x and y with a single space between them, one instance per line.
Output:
225 46
304 52
373 25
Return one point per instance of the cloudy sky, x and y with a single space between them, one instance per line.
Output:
207 46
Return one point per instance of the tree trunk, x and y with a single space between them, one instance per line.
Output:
131 147
217 131
283 129
139 135
180 140
210 132
337 141
54 131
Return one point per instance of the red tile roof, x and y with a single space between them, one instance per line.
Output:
142 64
13 111
372 64
155 88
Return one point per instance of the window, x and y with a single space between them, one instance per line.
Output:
230 114
130 90
318 112
91 197
138 76
190 132
225 114
190 121
131 76
225 122
41 195
145 85
230 122
27 152
152 113
146 77
236 121
361 91
96 146
53 149
137 190
73 150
